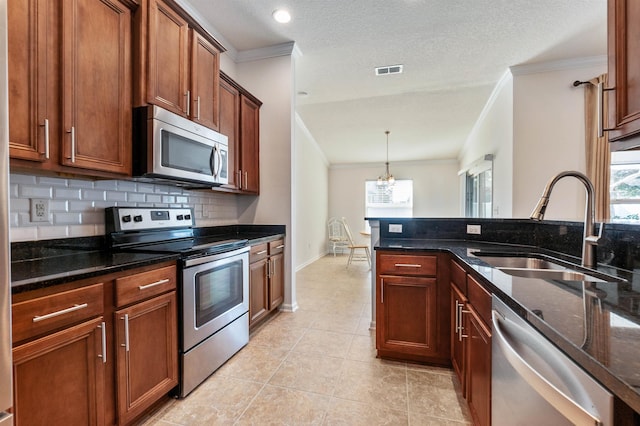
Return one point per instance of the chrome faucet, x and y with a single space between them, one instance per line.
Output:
590 239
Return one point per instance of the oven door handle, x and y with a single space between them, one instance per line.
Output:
208 259
571 409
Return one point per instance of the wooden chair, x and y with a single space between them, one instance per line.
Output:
337 235
354 248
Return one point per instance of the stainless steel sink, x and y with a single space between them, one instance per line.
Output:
527 262
537 266
551 274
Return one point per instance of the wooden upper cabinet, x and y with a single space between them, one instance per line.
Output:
33 61
250 144
167 73
205 81
229 98
70 86
97 85
624 69
177 67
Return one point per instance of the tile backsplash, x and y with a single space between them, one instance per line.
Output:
76 206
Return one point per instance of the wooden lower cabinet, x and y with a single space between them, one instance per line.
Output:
478 369
100 351
266 279
146 356
412 308
59 378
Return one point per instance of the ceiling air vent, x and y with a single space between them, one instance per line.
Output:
389 69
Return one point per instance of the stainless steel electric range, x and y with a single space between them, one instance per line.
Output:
214 284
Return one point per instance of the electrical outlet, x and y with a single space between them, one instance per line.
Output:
473 229
395 228
39 210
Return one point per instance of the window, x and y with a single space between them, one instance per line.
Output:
389 201
479 188
625 185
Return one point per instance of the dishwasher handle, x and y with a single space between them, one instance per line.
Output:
571 409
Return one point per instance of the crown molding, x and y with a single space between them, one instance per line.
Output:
284 49
397 163
563 64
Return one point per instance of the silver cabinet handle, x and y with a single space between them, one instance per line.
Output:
261 252
73 144
381 290
458 318
280 246
571 409
198 108
600 108
126 332
103 328
46 138
407 265
273 267
146 286
188 95
73 308
246 179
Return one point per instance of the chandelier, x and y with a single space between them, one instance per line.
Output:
387 179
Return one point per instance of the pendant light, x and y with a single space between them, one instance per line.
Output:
387 179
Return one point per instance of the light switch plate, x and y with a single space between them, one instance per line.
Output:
39 210
395 228
473 229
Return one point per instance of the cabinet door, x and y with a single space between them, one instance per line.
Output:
33 64
168 41
276 281
479 369
458 335
59 379
229 125
624 68
205 85
96 72
258 291
250 145
146 354
406 315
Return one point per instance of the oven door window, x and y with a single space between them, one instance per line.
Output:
217 291
186 154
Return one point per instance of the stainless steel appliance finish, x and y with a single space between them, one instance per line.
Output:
173 149
6 383
214 284
534 383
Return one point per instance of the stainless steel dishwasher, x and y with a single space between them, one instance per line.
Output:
534 383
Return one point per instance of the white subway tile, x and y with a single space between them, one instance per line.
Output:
92 217
19 205
126 185
135 197
153 198
59 206
66 219
28 191
23 234
51 181
80 206
83 231
182 199
80 183
15 178
14 219
50 232
93 195
67 193
111 185
116 196
168 199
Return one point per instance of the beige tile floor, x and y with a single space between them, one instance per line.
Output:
317 366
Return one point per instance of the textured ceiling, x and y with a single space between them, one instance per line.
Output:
453 52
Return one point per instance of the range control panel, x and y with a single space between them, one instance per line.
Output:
147 218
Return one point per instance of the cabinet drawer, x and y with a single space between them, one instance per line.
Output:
459 277
276 246
258 252
479 298
144 285
44 314
400 264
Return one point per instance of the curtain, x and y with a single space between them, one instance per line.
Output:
598 153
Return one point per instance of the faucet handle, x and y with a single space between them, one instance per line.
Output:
594 239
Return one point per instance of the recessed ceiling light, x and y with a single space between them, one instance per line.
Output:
282 15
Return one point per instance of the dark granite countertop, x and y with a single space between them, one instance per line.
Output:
39 264
596 324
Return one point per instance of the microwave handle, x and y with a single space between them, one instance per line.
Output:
212 161
219 152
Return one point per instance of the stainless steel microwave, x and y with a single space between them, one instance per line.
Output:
172 149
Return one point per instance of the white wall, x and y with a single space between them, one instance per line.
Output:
311 198
435 189
271 80
548 126
493 134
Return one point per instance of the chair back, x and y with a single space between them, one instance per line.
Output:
336 230
347 231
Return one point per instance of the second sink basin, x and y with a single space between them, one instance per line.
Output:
538 266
